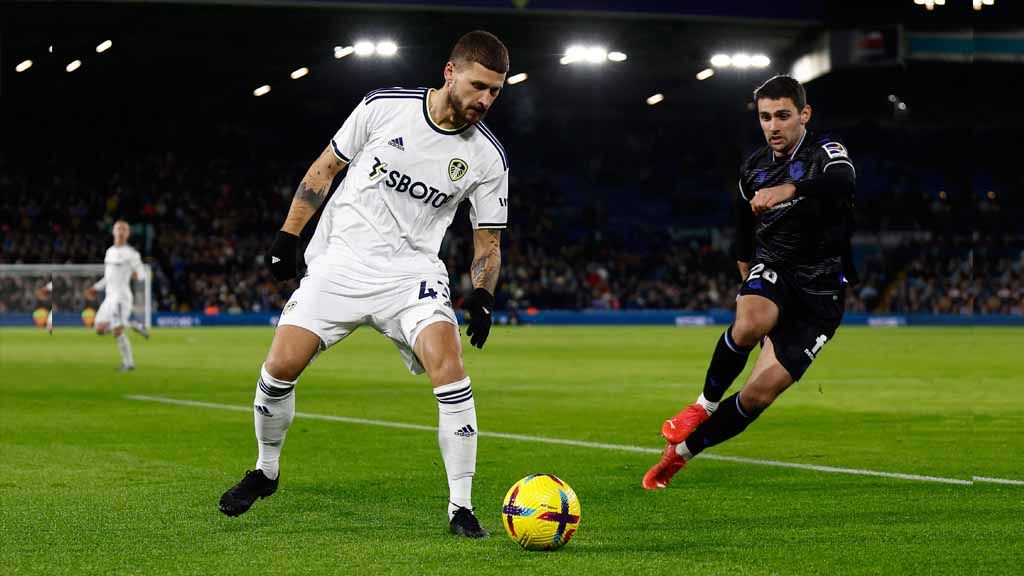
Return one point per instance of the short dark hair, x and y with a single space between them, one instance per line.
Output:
481 47
782 86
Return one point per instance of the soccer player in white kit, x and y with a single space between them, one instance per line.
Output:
122 265
413 156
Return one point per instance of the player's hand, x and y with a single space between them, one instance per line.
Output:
90 293
282 257
767 198
479 304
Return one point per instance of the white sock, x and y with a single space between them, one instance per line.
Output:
456 435
708 405
683 451
273 411
125 347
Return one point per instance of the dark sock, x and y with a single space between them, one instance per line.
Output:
729 420
727 362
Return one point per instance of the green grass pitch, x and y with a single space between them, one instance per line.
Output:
96 483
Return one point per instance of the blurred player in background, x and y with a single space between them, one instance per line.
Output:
123 264
412 157
45 296
794 221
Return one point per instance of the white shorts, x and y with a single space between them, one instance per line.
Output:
113 312
333 304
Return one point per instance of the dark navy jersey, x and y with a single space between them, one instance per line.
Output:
807 235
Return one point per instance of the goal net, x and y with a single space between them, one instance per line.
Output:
29 291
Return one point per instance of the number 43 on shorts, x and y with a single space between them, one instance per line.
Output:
431 293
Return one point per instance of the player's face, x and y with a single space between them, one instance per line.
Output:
472 89
121 232
782 123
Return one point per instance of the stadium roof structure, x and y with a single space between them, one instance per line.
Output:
220 50
203 60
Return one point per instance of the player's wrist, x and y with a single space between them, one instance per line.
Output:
285 245
483 297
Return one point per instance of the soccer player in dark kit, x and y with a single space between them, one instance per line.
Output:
793 225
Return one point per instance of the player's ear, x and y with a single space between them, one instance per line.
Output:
449 72
805 114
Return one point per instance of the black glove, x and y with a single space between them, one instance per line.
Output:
283 256
479 304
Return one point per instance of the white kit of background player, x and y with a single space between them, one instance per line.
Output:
122 264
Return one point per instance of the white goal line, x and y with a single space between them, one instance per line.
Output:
596 445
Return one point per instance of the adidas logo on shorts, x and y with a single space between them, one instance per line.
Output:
397 143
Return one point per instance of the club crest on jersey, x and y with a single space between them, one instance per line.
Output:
796 170
457 168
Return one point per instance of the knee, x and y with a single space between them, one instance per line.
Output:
448 370
118 332
753 401
283 368
748 330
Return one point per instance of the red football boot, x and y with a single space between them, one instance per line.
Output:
679 427
661 473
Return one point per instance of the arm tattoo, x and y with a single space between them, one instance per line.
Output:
487 264
310 196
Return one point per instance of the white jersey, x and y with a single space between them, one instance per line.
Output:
406 178
120 262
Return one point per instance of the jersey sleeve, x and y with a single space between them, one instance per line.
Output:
137 267
488 203
101 284
353 134
743 191
837 177
743 250
833 155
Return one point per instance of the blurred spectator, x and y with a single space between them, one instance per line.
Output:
655 242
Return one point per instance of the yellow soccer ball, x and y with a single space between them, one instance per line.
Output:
541 512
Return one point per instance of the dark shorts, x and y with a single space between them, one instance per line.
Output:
808 317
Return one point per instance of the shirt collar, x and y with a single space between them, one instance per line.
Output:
797 147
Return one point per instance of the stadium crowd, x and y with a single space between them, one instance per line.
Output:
205 226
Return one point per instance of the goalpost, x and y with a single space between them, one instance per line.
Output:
23 293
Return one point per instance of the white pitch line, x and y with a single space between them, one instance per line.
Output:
999 480
598 445
835 470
